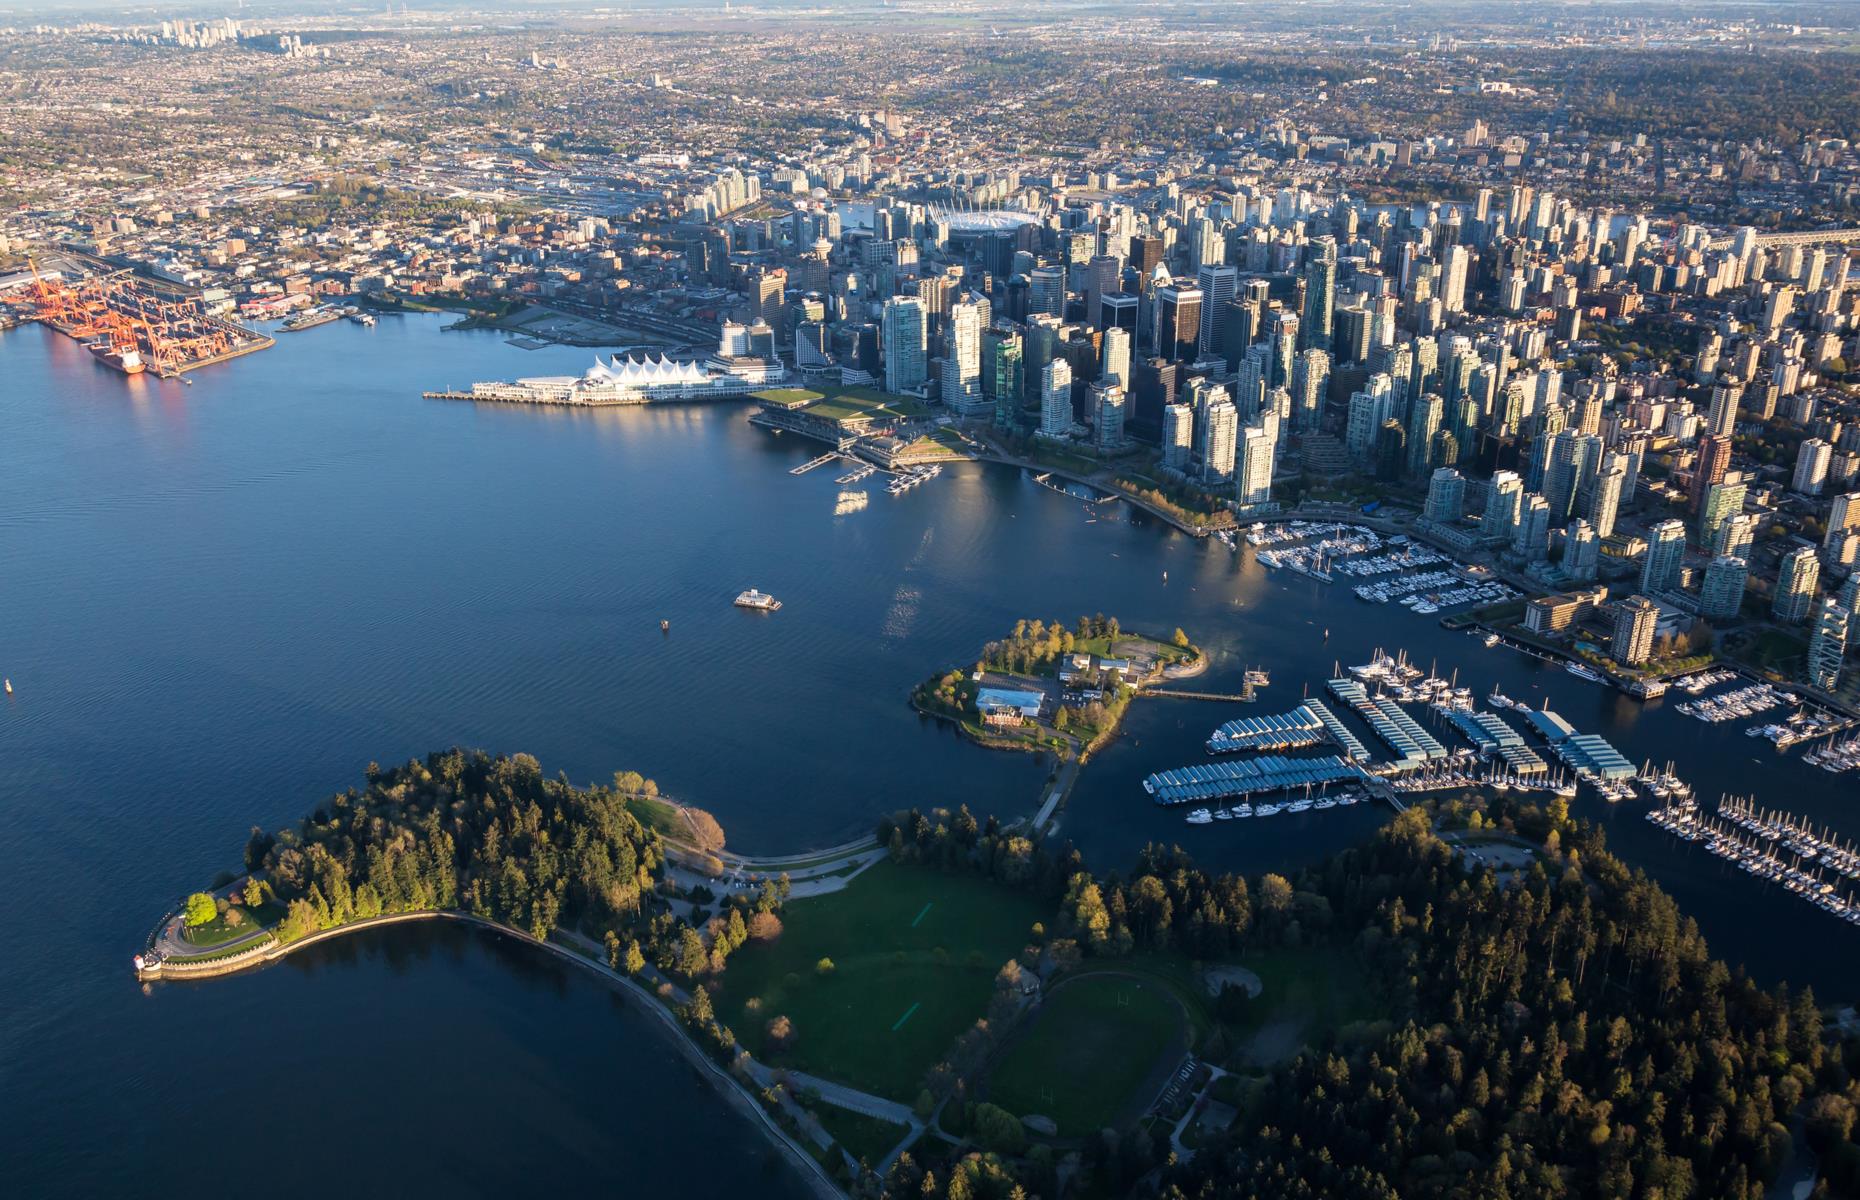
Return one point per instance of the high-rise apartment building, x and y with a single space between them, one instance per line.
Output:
1811 467
962 365
1795 585
905 331
1666 552
1446 495
1722 594
1827 644
1636 618
1056 399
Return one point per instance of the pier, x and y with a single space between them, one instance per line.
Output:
1245 697
810 464
1045 480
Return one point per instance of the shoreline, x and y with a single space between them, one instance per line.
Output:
734 1093
1081 752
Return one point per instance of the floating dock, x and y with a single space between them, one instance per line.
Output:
1280 731
1271 773
1493 738
1414 747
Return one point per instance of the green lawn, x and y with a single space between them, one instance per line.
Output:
787 397
659 815
217 932
1093 1043
867 1139
915 954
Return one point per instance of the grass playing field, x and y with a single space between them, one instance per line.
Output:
914 958
1097 1038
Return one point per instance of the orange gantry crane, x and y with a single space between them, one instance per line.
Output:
169 334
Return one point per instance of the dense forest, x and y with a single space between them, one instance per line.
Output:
1563 1032
492 836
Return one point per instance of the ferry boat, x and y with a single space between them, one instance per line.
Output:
128 360
1582 672
365 319
760 601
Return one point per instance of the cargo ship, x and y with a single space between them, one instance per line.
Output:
127 360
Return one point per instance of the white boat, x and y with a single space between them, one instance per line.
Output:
760 601
1200 816
1582 672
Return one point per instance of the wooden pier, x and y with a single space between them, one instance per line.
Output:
1245 697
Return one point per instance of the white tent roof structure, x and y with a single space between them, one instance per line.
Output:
645 372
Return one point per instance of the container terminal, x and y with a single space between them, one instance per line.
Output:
129 326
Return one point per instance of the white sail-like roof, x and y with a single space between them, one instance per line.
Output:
645 372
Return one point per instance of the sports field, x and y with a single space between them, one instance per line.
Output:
1095 1041
914 957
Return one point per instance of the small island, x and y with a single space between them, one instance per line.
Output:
1049 687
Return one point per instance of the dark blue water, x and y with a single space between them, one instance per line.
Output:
218 602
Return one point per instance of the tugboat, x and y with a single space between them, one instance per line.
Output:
761 601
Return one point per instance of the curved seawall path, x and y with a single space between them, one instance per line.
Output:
804 1164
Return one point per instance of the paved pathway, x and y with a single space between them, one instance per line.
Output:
816 881
1062 786
841 1096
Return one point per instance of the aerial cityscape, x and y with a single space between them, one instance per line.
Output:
931 598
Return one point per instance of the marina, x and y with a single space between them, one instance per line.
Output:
1772 846
1281 731
1747 701
1252 777
911 477
1835 757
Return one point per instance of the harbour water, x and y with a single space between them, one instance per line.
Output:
222 600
